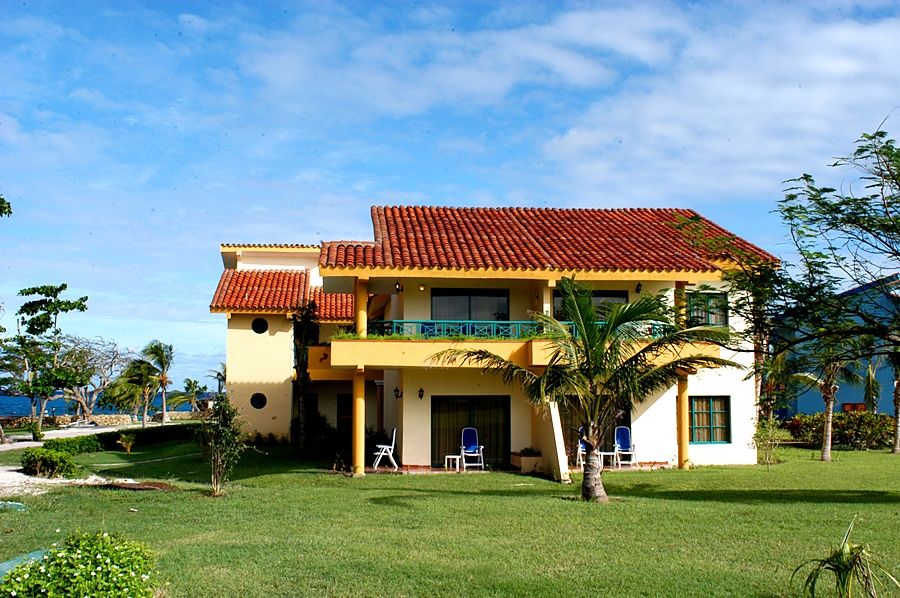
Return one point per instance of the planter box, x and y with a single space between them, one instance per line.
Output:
527 464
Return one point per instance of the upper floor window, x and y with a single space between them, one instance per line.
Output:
598 298
470 304
707 309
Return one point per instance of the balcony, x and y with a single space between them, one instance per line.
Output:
430 329
457 329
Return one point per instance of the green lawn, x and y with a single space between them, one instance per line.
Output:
287 529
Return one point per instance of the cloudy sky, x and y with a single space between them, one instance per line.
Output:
135 138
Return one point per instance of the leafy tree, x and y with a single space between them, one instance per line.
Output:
5 208
39 348
160 355
221 440
601 366
101 361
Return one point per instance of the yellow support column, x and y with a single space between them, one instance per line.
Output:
682 410
362 306
358 428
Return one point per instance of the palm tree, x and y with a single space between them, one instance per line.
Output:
598 369
219 376
835 360
140 379
192 390
161 355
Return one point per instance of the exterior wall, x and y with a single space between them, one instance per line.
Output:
327 393
261 363
414 433
275 260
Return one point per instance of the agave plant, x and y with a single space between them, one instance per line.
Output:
852 565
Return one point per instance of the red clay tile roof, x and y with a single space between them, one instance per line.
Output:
332 307
278 290
637 239
269 290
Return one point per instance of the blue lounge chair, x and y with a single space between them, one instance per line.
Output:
624 446
470 449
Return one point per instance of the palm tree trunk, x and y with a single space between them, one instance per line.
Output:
2 434
827 394
896 449
146 408
592 485
165 416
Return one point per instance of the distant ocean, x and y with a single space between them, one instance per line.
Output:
21 406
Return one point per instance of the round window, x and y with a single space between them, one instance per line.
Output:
260 325
258 400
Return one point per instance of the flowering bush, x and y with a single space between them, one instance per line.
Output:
860 430
85 565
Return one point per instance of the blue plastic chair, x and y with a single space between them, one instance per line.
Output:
469 448
624 446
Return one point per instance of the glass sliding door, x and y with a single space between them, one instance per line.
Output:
488 414
470 304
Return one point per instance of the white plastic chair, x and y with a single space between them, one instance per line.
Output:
469 448
624 446
386 450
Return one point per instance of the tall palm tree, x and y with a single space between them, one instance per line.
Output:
192 390
219 376
835 361
140 378
161 355
600 366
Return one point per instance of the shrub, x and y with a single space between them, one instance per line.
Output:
127 442
860 430
36 434
220 437
75 445
85 565
530 451
47 463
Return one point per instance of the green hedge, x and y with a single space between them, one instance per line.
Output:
47 463
859 430
154 435
75 445
108 441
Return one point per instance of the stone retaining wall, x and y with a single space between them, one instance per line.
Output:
115 419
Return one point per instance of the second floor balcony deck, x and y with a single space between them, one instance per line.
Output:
486 329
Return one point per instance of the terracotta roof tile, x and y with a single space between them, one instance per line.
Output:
282 290
332 307
528 238
278 290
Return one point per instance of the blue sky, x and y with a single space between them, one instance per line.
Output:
135 138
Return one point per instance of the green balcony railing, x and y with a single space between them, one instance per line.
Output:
514 329
453 328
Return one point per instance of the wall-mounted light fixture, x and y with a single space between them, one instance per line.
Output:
421 393
421 288
398 287
638 287
398 394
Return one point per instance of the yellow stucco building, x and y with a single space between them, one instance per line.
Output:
434 274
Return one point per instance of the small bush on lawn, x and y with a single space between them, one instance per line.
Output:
85 565
860 430
47 463
75 445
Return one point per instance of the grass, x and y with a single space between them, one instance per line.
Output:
287 529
